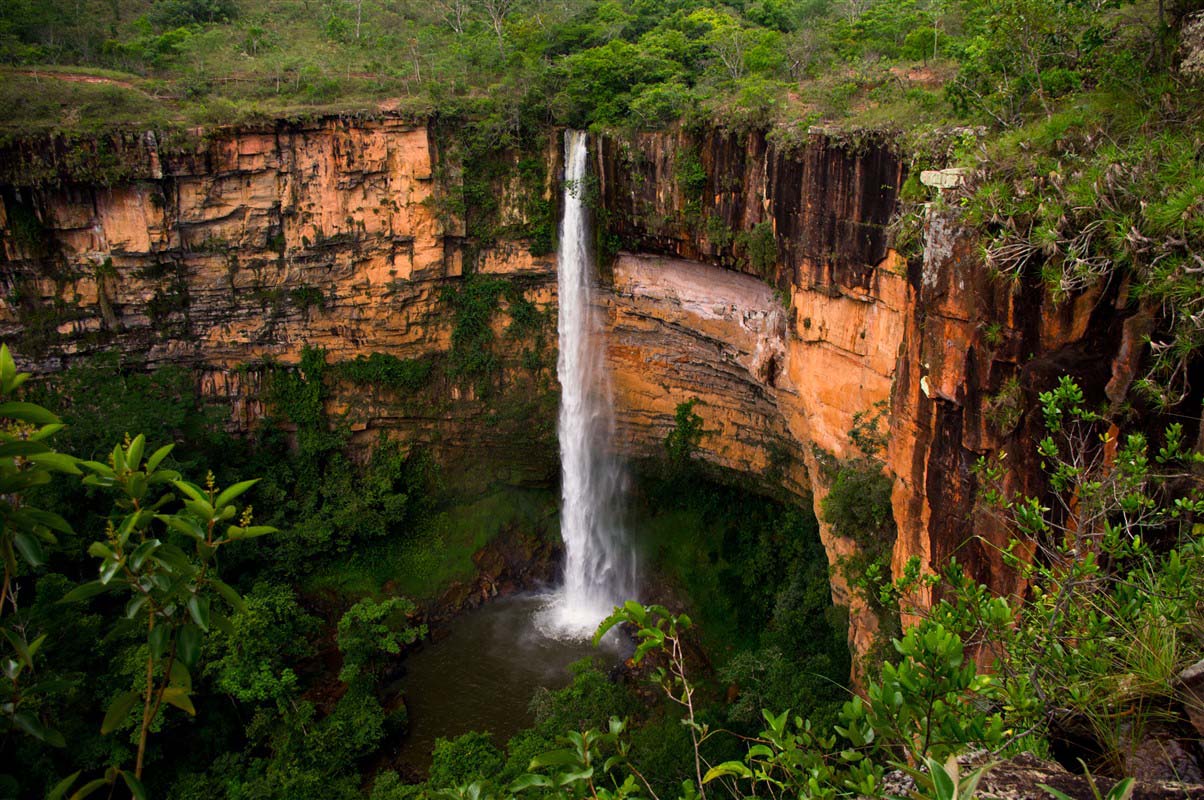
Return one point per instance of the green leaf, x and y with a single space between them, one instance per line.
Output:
198 607
62 786
555 758
157 641
57 462
100 550
162 476
200 508
88 788
142 551
21 447
174 559
45 432
944 782
157 457
33 648
234 532
104 470
119 709
34 727
134 785
727 769
232 597
19 481
27 412
30 548
137 486
617 617
193 491
528 781
184 524
48 519
178 697
54 738
188 645
233 492
108 568
1122 790
566 778
134 606
8 369
133 456
84 591
180 675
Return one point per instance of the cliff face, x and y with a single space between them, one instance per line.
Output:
755 279
249 246
956 355
780 372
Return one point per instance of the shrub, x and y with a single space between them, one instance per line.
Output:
466 758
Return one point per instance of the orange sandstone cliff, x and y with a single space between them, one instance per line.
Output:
756 279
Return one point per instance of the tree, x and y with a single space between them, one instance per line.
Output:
26 462
498 10
175 595
454 13
370 630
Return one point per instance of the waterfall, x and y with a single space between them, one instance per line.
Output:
599 570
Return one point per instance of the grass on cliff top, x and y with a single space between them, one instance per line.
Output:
54 100
578 62
423 564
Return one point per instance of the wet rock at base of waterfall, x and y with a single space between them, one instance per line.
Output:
514 561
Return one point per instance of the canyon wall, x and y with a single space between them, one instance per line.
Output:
755 278
233 254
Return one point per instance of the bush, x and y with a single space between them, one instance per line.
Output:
370 630
251 662
177 13
464 759
382 369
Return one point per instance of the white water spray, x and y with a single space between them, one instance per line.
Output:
599 567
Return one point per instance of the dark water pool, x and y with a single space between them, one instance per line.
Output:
482 675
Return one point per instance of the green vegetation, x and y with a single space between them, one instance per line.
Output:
475 302
757 580
682 441
405 376
511 67
370 632
1128 208
272 681
1114 616
858 507
294 725
439 550
137 660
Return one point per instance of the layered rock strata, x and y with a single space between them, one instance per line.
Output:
755 278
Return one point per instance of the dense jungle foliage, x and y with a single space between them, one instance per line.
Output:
516 65
243 637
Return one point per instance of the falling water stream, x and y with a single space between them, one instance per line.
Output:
490 662
599 569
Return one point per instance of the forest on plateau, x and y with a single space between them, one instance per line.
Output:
989 582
